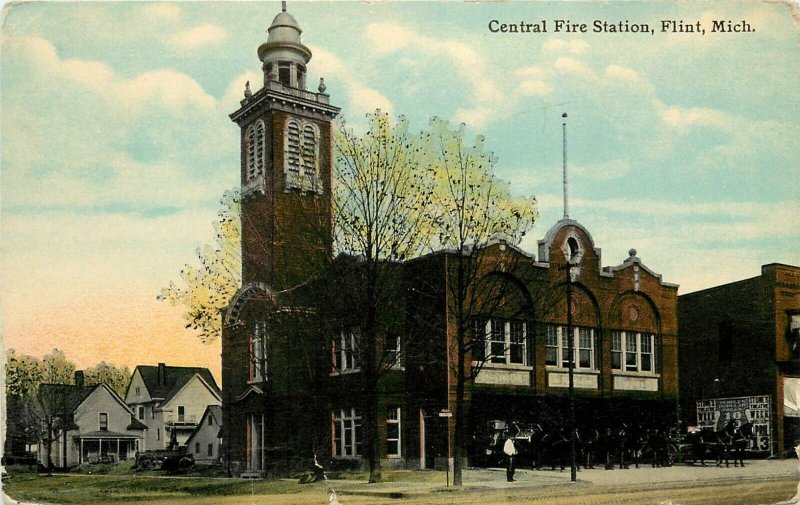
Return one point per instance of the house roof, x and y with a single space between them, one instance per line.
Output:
105 434
175 377
66 397
136 424
211 410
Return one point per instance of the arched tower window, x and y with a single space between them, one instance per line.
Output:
301 156
256 139
293 146
309 149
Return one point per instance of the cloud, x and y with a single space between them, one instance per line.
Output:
576 46
163 11
683 118
125 143
363 98
606 170
569 65
167 88
387 38
469 64
199 36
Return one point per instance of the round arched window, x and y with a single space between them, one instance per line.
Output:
573 248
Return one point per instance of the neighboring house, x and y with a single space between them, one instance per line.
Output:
94 424
205 443
293 389
170 400
740 356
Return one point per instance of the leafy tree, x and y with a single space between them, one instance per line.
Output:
470 209
206 289
33 414
381 192
23 375
109 374
57 369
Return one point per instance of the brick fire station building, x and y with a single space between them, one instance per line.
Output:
290 386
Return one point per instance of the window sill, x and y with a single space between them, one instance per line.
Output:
625 373
351 458
506 366
256 381
584 371
345 372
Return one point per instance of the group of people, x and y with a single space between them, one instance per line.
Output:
609 447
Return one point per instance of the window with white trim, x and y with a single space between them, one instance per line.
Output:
140 410
392 351
584 347
258 351
633 351
393 425
504 340
181 413
345 351
346 433
103 421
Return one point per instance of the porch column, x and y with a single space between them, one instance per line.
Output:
118 458
421 439
80 456
99 448
261 442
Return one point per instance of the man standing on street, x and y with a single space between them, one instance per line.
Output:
511 450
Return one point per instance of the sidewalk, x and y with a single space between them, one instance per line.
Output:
645 476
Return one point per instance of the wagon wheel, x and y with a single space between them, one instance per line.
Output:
672 454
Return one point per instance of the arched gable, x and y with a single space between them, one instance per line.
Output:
508 295
634 310
254 291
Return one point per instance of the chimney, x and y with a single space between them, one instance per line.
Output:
162 374
79 378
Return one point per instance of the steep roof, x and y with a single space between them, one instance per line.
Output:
211 410
175 377
65 397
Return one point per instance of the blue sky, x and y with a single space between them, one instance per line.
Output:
116 144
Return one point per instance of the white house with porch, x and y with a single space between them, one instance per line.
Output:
95 425
170 401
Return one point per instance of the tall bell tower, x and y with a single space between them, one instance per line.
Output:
286 165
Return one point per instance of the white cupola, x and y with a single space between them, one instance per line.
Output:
283 55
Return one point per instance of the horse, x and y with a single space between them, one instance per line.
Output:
735 439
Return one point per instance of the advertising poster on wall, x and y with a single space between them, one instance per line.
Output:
717 413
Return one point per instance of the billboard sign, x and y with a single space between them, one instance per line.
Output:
716 413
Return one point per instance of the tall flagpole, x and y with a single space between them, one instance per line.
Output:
564 130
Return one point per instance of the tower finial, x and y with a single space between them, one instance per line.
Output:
283 6
564 128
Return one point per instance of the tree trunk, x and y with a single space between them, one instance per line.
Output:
371 435
460 421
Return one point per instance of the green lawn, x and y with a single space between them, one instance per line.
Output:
118 483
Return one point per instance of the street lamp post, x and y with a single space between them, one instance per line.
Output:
571 373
